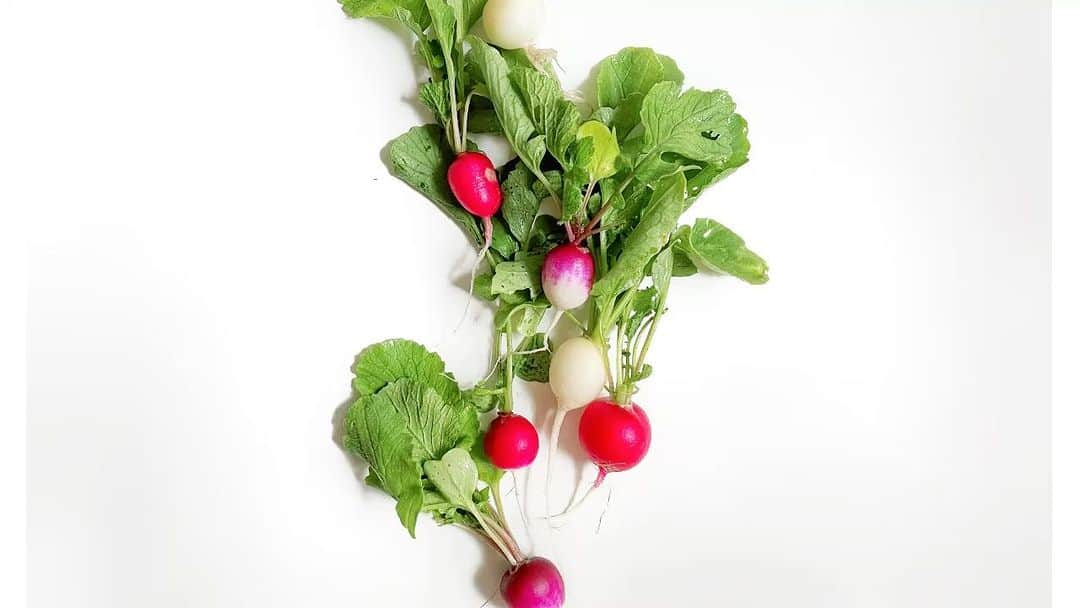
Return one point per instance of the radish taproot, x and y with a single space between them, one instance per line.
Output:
511 441
533 583
576 375
513 24
616 438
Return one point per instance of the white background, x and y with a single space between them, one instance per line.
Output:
870 429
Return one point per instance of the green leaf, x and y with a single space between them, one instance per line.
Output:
605 149
714 247
633 70
420 158
387 9
516 276
699 179
520 203
682 265
436 97
662 269
625 78
444 23
576 178
490 474
552 115
375 431
533 367
455 476
516 124
647 239
390 360
693 125
522 318
643 305
501 240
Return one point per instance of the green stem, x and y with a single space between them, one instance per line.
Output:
639 364
508 389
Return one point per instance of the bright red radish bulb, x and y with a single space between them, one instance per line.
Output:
615 437
567 276
511 441
475 184
534 583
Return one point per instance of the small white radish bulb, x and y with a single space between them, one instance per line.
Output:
576 376
576 373
513 24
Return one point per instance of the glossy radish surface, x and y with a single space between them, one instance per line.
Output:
534 583
511 441
513 24
475 184
567 276
615 437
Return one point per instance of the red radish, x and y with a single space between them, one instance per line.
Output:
567 276
475 184
616 438
533 583
511 441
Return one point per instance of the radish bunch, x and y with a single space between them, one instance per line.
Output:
582 230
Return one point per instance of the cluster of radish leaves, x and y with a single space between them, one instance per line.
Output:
616 177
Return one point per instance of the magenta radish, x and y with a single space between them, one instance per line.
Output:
533 583
616 438
475 185
511 441
567 276
576 375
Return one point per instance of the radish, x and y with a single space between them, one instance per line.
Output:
616 438
576 375
511 441
533 583
513 24
567 276
475 185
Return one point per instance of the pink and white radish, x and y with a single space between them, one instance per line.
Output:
513 24
533 583
576 376
567 276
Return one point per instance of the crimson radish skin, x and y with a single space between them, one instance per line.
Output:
567 276
615 437
511 442
475 184
533 583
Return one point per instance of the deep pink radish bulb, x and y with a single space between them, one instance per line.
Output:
534 583
615 437
511 441
567 276
475 184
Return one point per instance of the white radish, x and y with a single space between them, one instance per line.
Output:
576 376
513 24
